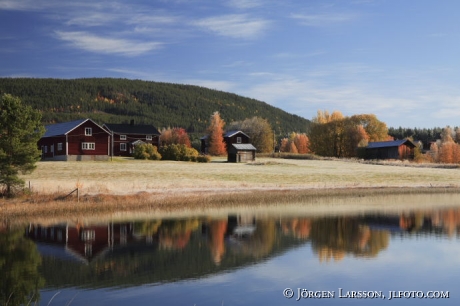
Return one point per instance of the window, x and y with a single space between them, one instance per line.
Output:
88 250
88 145
122 137
88 235
238 139
88 131
122 146
46 149
59 146
148 137
52 148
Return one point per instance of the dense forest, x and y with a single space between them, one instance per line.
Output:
108 100
426 136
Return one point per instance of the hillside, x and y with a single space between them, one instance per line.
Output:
161 104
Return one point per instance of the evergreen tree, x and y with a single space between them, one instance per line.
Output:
216 135
20 130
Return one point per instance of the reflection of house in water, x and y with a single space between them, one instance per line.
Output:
84 243
403 225
232 229
241 226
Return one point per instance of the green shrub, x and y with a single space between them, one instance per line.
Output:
203 159
179 152
146 151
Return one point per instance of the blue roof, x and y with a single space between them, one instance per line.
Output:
387 144
59 129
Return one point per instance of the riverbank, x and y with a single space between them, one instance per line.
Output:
158 187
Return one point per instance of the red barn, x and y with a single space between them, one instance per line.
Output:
76 140
126 136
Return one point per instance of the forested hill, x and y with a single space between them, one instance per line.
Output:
108 100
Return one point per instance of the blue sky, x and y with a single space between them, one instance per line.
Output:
395 59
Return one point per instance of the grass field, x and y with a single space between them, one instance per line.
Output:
123 176
125 186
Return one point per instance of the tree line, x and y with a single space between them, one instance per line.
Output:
160 104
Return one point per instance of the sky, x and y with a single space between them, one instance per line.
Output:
395 59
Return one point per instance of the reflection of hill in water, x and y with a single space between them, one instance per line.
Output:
157 251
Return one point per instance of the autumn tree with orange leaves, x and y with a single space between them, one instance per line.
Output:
176 135
332 134
447 151
216 144
296 143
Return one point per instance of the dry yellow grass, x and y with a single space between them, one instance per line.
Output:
122 186
132 176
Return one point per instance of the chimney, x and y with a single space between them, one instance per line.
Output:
131 123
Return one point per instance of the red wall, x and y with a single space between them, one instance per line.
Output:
99 136
50 141
130 138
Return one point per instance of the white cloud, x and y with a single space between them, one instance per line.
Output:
321 20
99 44
235 26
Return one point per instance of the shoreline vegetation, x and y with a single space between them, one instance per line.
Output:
126 187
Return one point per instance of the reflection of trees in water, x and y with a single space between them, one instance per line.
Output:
147 228
20 280
334 237
217 231
261 242
175 234
171 234
298 227
448 219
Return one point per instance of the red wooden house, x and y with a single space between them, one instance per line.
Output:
76 140
127 136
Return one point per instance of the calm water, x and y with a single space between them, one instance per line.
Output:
237 259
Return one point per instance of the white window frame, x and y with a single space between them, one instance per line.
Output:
88 146
123 146
122 137
59 146
238 139
148 137
88 131
88 235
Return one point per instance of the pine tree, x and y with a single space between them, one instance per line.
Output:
20 130
216 136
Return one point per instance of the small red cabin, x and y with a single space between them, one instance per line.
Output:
76 140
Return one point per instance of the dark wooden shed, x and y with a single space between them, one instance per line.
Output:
239 148
241 153
397 149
